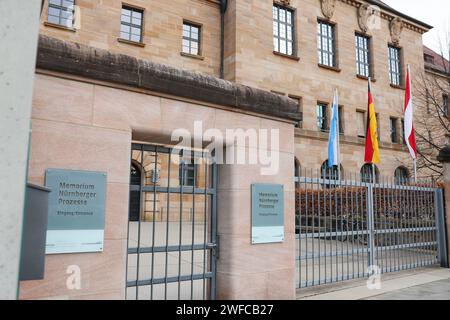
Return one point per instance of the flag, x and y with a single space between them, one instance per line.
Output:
409 115
333 141
372 152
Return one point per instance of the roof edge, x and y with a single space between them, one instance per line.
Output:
400 14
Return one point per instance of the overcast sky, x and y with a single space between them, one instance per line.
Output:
433 12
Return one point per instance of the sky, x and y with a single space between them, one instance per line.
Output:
433 12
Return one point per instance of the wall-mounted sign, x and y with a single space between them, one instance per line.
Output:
267 213
76 213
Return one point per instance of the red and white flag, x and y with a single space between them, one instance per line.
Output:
409 118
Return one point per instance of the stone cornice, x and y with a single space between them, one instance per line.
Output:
99 64
346 139
389 15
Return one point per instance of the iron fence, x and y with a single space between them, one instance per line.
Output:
172 225
347 225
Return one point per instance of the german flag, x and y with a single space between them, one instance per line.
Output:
372 153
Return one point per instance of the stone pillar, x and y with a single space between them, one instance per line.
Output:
263 271
19 27
444 158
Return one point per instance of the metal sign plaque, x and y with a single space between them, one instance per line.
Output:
267 213
76 213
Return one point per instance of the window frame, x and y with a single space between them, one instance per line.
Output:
191 40
183 174
131 25
369 50
60 9
292 25
428 58
320 51
399 180
364 119
341 115
393 124
400 72
324 117
445 105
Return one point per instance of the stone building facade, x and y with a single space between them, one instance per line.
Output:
251 59
114 72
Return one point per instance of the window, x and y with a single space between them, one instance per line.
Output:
428 58
131 24
191 38
61 12
361 123
395 72
362 44
322 117
326 44
187 174
445 105
283 30
393 127
401 175
367 174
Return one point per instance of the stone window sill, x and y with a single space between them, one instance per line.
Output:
292 57
365 78
397 87
133 43
335 69
58 26
194 56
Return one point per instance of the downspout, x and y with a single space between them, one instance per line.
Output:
223 10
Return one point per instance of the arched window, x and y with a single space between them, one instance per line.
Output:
135 196
401 175
367 174
330 173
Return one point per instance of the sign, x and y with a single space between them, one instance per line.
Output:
76 213
267 213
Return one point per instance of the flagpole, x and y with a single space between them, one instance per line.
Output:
338 129
410 97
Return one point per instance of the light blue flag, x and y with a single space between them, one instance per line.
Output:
333 142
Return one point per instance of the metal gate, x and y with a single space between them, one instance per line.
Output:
351 228
172 247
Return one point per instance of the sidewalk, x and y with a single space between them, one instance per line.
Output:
420 284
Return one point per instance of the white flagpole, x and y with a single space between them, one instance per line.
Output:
374 177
